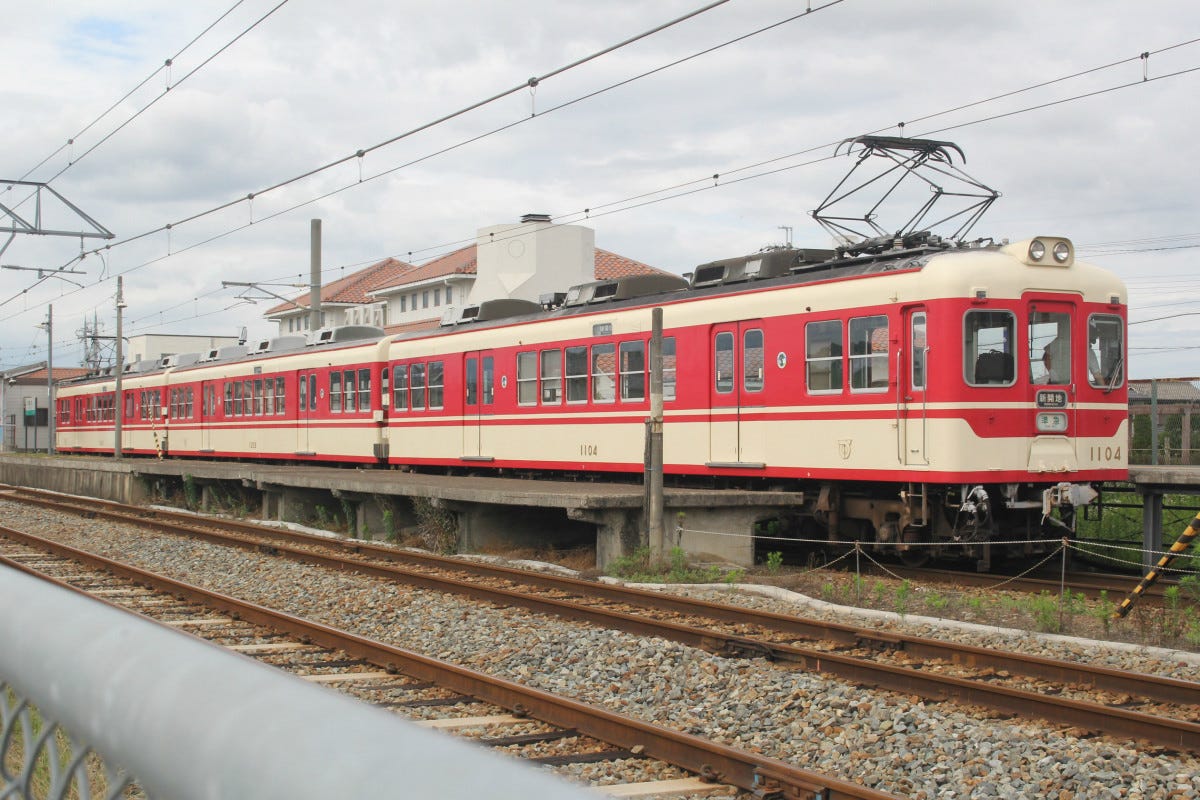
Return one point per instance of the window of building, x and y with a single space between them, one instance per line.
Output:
604 368
1105 351
551 377
824 356
527 378
449 295
437 297
869 353
633 371
425 299
577 374
989 347
403 303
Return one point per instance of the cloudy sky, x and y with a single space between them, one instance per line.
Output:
1106 158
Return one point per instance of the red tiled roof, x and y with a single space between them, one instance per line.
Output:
60 374
354 288
610 265
419 325
460 262
393 274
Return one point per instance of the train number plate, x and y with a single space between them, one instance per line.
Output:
1051 398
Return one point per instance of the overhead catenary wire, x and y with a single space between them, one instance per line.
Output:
165 65
691 186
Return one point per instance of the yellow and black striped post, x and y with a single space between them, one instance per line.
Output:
1181 544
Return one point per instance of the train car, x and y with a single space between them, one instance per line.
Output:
928 392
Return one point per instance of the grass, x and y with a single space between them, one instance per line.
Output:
642 567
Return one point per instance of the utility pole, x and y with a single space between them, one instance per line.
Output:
48 326
314 264
118 400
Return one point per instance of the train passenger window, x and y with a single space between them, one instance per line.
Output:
551 377
752 360
400 387
577 375
472 381
157 403
312 392
188 402
229 399
668 353
527 378
633 371
364 390
249 392
1050 347
436 384
303 394
280 395
823 348
604 365
237 398
989 342
416 388
269 397
335 392
258 397
1105 356
489 380
869 353
920 349
349 402
723 363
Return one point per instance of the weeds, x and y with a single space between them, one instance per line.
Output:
774 561
902 597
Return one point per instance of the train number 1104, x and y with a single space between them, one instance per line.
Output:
1104 453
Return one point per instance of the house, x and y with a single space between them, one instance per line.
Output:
24 404
524 261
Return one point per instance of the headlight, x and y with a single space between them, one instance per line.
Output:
1051 422
1037 250
1061 252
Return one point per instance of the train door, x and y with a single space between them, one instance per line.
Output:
306 411
912 364
210 400
736 388
1056 365
479 376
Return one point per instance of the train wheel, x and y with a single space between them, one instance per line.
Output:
919 555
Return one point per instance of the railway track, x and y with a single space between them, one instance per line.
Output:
541 727
1161 710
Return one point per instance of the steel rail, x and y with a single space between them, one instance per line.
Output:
1146 686
1079 713
709 759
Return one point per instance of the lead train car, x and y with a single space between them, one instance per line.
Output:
954 395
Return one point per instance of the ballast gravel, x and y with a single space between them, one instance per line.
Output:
888 741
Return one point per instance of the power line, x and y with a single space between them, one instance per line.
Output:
165 65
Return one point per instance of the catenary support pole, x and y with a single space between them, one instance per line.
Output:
314 265
50 405
118 400
654 475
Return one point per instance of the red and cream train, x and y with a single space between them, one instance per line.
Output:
929 392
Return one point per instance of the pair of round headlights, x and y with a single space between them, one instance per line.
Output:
1037 251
